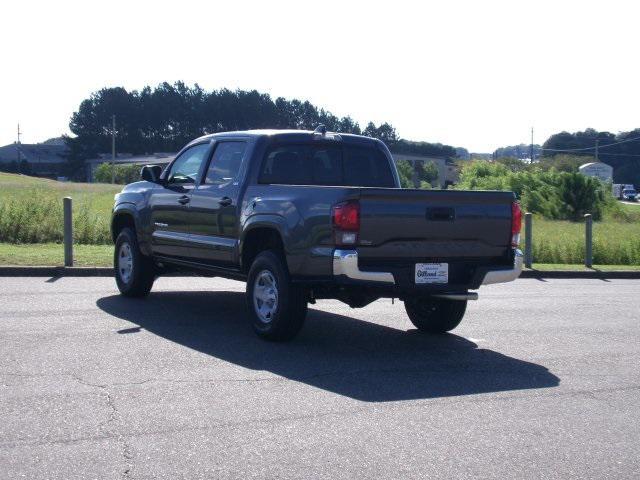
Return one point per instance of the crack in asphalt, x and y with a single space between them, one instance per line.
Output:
445 369
128 455
109 426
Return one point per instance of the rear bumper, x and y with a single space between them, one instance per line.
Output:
345 265
506 275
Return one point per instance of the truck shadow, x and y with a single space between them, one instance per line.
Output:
344 355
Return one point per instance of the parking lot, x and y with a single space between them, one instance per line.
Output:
540 380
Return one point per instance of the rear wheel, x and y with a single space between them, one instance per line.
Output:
435 315
277 307
134 271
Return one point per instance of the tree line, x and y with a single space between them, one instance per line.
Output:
621 151
166 117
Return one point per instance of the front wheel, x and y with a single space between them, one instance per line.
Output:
435 315
276 306
134 271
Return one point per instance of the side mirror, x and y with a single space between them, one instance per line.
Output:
151 173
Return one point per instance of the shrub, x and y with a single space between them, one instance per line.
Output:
427 173
554 195
123 173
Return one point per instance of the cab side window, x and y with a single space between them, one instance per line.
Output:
225 163
186 167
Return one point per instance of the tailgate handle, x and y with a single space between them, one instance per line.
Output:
441 214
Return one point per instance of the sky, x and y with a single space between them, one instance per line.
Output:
474 74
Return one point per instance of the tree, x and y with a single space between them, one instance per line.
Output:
164 118
621 151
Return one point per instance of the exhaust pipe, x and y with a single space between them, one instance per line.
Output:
457 296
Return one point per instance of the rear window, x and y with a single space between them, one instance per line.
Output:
331 165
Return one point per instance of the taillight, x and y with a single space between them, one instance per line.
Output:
516 224
346 222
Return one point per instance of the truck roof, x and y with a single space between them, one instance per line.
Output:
288 135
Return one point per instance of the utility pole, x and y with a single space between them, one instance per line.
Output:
113 149
18 150
597 142
531 149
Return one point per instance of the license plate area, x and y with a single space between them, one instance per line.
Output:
431 273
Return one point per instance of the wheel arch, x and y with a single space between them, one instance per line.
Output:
125 215
260 234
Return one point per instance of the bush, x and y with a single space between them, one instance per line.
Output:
405 172
427 173
123 173
554 195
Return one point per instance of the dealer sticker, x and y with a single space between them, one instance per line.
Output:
432 273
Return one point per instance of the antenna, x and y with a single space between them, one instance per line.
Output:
19 133
113 148
531 151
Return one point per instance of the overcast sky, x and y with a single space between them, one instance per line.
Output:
477 74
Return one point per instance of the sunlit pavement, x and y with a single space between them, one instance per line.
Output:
540 381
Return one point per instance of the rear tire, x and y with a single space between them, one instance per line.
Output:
276 306
435 315
134 271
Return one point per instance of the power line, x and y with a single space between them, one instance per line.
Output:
621 154
590 148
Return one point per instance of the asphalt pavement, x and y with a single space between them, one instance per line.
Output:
541 380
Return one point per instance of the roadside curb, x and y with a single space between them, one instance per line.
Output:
593 274
56 271
9 271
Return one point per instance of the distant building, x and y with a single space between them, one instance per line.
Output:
161 159
598 170
447 170
42 159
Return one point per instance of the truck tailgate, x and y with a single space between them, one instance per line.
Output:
434 225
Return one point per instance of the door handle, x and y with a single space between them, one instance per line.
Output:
225 202
184 200
441 214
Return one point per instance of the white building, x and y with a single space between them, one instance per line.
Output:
599 170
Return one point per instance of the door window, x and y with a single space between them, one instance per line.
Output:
186 167
225 163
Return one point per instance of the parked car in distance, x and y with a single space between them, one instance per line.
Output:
624 192
629 194
307 215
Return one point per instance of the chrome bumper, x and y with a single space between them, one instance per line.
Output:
345 262
508 275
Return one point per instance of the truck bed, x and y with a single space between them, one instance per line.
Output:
466 229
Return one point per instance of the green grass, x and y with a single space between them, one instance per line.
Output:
31 210
52 254
631 208
31 213
549 267
614 242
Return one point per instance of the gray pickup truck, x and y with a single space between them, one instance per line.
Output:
303 215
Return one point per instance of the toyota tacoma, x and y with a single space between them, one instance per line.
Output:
307 215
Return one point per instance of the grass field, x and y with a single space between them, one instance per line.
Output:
31 210
31 213
614 242
52 254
